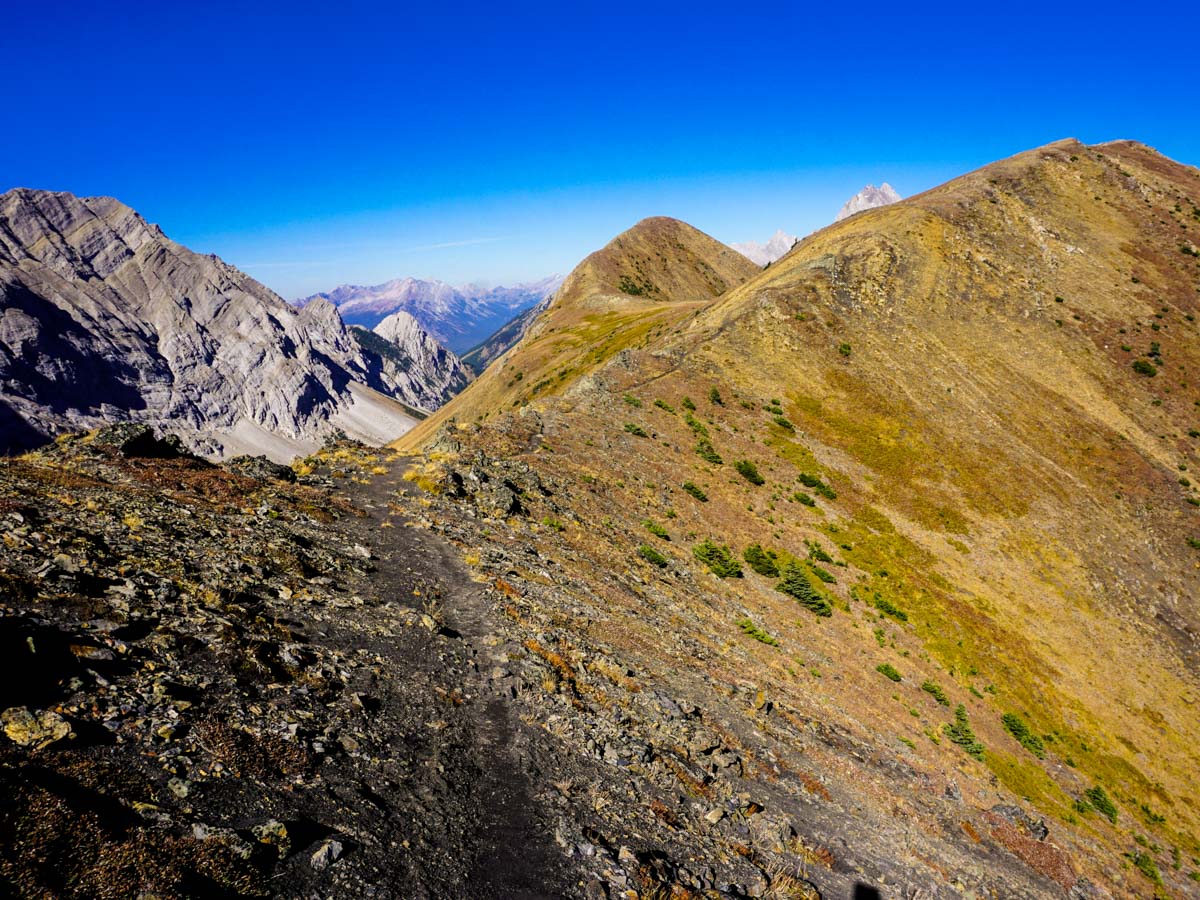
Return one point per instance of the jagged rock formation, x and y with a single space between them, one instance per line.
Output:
458 317
950 446
415 367
869 197
764 254
102 317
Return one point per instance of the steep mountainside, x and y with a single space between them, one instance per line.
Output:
780 243
421 371
907 521
457 317
870 197
102 317
646 281
480 356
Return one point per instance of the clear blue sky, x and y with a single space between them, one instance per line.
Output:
315 144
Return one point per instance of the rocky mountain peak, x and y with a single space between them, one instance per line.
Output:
869 197
778 244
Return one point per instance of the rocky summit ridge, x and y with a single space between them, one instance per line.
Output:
778 244
415 365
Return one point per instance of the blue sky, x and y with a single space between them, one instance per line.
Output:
316 144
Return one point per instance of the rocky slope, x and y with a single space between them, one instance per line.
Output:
415 366
764 254
908 516
240 683
102 317
870 197
458 317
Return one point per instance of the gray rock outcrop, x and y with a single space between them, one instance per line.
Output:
412 365
103 318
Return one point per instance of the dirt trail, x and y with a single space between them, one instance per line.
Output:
491 818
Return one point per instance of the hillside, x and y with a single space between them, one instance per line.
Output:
949 445
103 318
505 337
643 283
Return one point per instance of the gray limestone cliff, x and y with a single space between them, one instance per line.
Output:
103 318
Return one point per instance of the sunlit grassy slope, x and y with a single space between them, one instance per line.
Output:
998 385
625 295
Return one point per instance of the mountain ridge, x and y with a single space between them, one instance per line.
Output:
936 395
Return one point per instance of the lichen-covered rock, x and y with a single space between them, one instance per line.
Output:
34 728
261 468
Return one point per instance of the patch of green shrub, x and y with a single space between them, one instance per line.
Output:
1102 803
719 559
635 430
794 582
784 423
1016 726
888 608
805 499
553 524
657 530
696 491
760 561
812 481
757 633
714 396
634 288
749 471
844 349
1144 367
887 670
633 401
960 733
652 556
665 406
707 452
815 551
698 427
1145 864
824 575
933 689
687 404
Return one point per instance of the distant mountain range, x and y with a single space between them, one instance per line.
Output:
781 242
103 318
763 254
458 317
